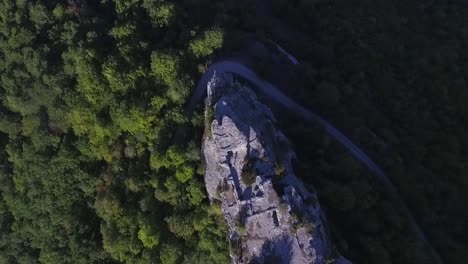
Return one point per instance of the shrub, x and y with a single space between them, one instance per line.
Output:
249 175
279 169
209 116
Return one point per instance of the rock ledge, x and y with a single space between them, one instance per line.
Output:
272 218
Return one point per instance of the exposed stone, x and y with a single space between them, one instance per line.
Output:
271 216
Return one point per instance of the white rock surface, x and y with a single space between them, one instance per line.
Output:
271 216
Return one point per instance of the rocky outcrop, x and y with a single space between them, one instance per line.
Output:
272 218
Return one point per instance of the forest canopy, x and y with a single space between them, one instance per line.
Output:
90 174
99 163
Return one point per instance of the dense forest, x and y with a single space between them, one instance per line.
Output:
90 94
392 76
92 91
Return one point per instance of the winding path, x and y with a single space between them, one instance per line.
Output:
275 94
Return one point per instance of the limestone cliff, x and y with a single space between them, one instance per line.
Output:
271 216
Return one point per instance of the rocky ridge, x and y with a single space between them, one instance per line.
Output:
272 218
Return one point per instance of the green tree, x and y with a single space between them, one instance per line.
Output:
206 43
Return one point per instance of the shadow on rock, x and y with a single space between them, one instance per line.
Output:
275 251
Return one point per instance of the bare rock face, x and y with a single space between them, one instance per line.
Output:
271 216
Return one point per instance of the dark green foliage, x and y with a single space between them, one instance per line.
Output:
279 169
207 43
90 96
248 174
48 199
209 116
391 75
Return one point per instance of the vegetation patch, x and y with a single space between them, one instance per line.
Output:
209 117
249 175
279 169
